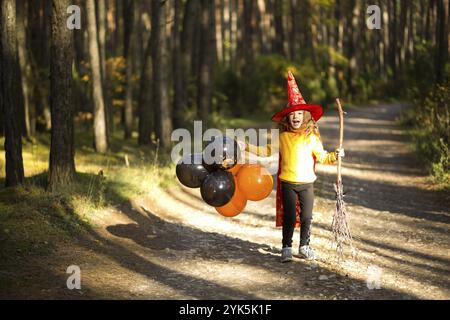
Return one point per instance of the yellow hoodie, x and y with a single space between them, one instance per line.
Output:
297 156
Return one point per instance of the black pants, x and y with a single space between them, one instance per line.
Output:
305 192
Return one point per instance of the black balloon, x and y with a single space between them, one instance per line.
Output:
190 170
221 153
218 188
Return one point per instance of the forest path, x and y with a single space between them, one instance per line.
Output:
171 245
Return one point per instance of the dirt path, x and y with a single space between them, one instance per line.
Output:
171 245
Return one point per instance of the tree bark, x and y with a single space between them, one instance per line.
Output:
62 152
402 35
353 41
10 94
278 44
100 135
128 46
219 31
233 5
204 94
25 70
263 27
145 108
159 62
441 38
187 37
294 26
249 39
101 23
179 98
393 37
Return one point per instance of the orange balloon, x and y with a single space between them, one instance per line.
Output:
235 205
255 182
235 169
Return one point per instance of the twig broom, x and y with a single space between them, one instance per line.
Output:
339 226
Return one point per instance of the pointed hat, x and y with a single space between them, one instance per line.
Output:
296 102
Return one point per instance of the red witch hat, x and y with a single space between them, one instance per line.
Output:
296 102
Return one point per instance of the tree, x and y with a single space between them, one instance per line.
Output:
101 23
207 33
179 98
442 38
293 45
100 133
145 108
249 39
25 70
159 62
128 46
190 20
10 93
62 152
278 41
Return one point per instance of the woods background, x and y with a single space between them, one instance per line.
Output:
86 177
143 68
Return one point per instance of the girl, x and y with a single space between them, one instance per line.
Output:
300 147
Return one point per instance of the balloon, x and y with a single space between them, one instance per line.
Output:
236 204
221 153
255 182
218 188
190 170
234 170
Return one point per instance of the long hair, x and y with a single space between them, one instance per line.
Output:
308 126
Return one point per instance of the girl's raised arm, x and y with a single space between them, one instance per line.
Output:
322 155
260 151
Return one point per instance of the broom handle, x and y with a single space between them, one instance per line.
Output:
341 138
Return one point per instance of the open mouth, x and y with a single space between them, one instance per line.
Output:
295 123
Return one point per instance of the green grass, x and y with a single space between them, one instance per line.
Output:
33 220
433 154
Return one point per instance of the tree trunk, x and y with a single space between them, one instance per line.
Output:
100 136
249 42
393 38
278 44
159 61
219 31
263 27
62 152
187 37
128 46
10 93
293 34
117 10
204 94
353 41
441 38
179 99
101 23
145 108
403 33
25 70
233 31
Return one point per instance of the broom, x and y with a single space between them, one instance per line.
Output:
339 226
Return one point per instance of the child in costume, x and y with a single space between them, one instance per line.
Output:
300 146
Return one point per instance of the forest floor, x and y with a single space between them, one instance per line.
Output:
168 244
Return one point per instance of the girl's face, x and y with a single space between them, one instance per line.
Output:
295 119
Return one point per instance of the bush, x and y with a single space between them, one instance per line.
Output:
430 123
262 86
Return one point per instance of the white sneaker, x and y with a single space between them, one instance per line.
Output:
286 254
307 252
